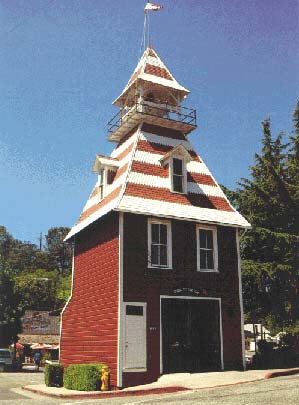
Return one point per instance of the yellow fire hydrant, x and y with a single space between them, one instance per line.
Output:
105 378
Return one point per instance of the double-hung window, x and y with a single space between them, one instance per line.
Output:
207 256
101 184
178 176
159 243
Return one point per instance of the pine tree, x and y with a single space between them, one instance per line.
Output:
269 200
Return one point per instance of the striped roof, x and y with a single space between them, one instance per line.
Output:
141 184
151 69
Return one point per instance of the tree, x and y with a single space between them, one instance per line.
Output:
269 200
60 251
5 243
293 169
38 290
10 307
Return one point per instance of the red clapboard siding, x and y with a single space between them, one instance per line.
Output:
89 323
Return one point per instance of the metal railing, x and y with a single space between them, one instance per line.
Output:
167 111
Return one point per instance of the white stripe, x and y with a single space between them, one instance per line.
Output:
156 62
205 189
92 201
89 220
154 159
163 182
148 180
116 152
180 211
198 167
164 140
120 340
111 187
162 81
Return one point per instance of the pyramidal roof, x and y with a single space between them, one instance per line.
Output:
151 69
141 183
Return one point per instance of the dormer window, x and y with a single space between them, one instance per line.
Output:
106 168
178 176
101 184
177 160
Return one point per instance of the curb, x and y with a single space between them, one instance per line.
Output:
281 373
110 394
163 390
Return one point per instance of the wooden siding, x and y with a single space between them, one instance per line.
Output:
143 284
90 321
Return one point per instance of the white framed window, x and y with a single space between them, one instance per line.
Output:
159 243
101 184
207 249
178 175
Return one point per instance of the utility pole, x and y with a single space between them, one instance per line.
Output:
40 241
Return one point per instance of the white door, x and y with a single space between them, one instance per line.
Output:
135 336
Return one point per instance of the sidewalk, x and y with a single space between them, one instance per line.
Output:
170 383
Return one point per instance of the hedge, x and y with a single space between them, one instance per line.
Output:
54 375
83 377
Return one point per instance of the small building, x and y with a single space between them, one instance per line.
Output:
39 327
156 274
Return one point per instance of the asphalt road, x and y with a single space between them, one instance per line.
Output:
276 391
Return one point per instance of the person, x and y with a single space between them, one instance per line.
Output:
37 359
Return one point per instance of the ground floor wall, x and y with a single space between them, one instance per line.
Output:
229 354
147 285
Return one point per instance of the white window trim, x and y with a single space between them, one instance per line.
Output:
104 184
169 243
215 248
184 170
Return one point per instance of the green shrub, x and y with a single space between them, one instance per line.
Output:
54 375
83 377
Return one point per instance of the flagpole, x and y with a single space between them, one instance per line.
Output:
148 31
146 26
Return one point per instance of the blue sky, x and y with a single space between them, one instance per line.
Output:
63 62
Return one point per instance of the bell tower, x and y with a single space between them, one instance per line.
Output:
153 96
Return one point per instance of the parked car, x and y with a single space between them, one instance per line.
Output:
6 359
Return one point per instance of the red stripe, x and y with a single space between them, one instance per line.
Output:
154 170
157 71
96 207
157 148
200 178
197 200
167 132
125 152
121 171
126 137
147 168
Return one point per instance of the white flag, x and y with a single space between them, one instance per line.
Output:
152 6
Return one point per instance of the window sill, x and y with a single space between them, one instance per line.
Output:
160 267
207 271
135 370
178 192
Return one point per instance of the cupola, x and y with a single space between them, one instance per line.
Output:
154 96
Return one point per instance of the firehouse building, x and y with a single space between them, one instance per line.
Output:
156 273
